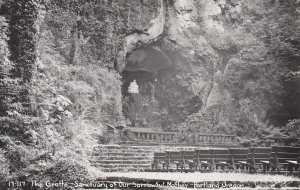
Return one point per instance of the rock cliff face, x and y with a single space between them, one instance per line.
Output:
176 50
187 33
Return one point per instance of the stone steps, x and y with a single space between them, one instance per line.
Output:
131 154
110 158
123 167
123 151
121 157
123 161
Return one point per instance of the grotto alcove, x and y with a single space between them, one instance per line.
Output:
160 101
144 107
144 65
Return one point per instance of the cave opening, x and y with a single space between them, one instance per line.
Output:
144 106
153 96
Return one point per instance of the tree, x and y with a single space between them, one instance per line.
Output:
263 75
8 85
21 43
278 29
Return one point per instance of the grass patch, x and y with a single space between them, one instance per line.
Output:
199 177
197 180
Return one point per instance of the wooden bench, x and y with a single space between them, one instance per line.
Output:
173 157
220 157
284 158
294 164
204 159
238 158
258 158
189 158
159 159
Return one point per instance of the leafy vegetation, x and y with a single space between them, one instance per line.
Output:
52 112
259 70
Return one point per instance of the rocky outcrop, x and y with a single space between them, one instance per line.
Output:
187 33
187 38
149 32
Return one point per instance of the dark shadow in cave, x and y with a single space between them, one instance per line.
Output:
142 78
161 101
143 66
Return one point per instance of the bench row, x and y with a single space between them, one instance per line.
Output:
254 159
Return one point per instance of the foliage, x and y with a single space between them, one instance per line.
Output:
17 55
4 164
212 121
282 41
6 82
16 129
269 135
259 62
95 30
254 80
153 116
291 132
71 101
258 75
22 38
66 170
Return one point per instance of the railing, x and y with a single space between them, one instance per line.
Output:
161 137
172 137
212 139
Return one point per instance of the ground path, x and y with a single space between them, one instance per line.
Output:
196 180
199 177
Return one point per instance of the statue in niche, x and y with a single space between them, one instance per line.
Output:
135 106
133 87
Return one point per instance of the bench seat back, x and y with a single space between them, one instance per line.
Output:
281 154
203 155
159 156
188 155
221 155
238 154
172 156
258 154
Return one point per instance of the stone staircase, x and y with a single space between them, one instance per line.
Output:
114 158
